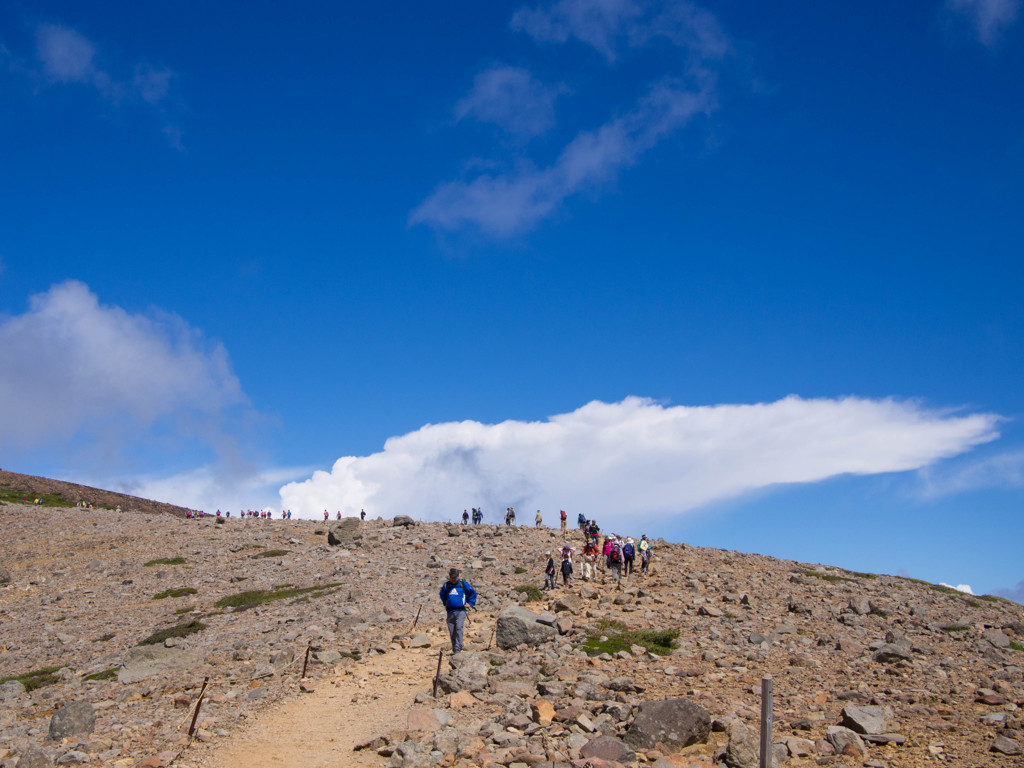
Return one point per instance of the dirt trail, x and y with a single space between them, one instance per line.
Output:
320 729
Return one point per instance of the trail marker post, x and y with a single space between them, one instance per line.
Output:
766 723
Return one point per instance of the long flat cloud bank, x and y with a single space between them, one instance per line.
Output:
634 460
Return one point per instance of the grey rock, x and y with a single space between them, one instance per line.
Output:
72 758
870 719
1005 746
419 640
403 521
889 653
453 531
12 689
343 531
839 737
34 758
996 637
744 746
149 660
5 576
570 603
860 605
608 748
677 723
73 719
517 625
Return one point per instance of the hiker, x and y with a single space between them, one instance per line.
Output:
566 570
457 596
510 516
628 555
465 517
581 521
645 554
614 557
326 516
563 518
538 519
362 514
589 561
549 573
339 514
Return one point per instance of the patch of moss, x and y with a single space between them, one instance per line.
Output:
179 592
107 674
164 561
244 600
825 576
272 553
612 637
15 496
180 630
37 678
1016 646
862 575
180 611
532 592
995 599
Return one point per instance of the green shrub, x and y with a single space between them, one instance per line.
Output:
272 553
532 592
520 569
825 576
1016 646
612 637
244 600
181 630
179 592
164 561
49 499
107 674
180 611
37 678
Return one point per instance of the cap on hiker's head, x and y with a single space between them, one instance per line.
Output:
547 553
453 573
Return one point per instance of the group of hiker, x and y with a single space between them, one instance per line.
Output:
615 556
477 516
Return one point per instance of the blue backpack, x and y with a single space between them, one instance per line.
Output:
627 550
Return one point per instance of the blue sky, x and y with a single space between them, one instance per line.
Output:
777 251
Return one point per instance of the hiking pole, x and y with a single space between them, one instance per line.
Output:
416 619
493 633
306 662
437 675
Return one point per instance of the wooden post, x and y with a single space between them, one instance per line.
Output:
199 703
306 662
766 723
416 620
437 675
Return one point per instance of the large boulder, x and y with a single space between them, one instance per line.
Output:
343 531
570 602
468 672
608 748
74 719
517 625
744 748
676 723
403 521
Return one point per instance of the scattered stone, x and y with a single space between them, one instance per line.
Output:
403 521
889 653
344 531
1005 746
743 750
870 719
608 748
517 625
844 741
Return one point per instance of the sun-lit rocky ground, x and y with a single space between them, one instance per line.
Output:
937 675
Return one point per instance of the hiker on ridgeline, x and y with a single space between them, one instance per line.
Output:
465 517
549 573
326 516
581 521
339 514
510 516
457 596
564 519
628 554
362 514
538 519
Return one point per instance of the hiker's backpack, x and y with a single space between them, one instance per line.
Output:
613 556
627 551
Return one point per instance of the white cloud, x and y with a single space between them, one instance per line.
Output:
72 367
511 202
512 99
965 588
503 205
629 462
607 25
989 18
66 55
1002 470
207 488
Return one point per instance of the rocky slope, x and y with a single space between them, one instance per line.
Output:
30 486
926 676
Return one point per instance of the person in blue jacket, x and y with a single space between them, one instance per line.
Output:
458 596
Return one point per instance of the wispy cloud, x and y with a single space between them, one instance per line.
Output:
989 19
73 369
965 588
512 99
636 461
1005 470
512 201
503 205
1015 593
